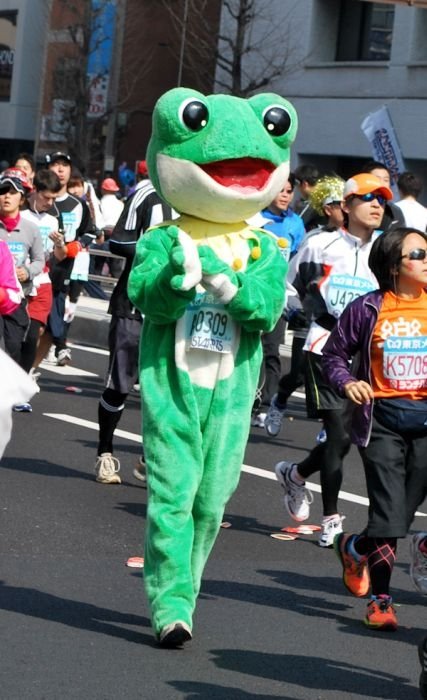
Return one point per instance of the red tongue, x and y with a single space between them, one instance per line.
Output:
242 172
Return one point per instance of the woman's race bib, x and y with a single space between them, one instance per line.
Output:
405 362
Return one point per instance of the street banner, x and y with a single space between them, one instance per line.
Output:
379 131
100 55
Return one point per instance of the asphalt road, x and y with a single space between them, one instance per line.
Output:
273 619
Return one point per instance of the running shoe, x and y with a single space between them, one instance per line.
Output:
418 568
355 573
175 635
139 471
321 437
274 418
35 376
64 357
22 408
331 527
380 614
107 468
422 655
258 420
297 497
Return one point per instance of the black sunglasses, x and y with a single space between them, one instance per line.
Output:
416 254
370 196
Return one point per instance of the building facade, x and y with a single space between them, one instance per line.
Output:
343 60
352 58
22 43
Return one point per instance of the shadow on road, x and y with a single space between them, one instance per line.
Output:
201 691
29 601
316 673
43 468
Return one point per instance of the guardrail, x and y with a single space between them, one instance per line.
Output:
108 279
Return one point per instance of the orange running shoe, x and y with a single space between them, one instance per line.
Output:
355 573
380 614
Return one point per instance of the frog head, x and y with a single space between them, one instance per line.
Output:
219 157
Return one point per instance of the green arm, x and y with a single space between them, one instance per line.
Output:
260 299
150 286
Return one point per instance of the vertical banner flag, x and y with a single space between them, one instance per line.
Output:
379 131
100 55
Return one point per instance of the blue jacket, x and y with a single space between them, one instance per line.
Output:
286 225
352 335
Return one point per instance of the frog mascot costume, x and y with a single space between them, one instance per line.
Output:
208 284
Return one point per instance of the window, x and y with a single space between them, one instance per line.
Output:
365 31
8 21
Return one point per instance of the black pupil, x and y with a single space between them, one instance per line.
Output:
277 121
195 115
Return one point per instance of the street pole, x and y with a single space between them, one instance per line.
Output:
183 37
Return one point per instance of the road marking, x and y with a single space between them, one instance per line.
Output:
86 348
256 471
93 426
67 371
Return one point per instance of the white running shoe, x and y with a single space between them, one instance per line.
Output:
50 358
64 357
107 468
139 471
274 418
297 497
418 567
330 528
34 374
258 420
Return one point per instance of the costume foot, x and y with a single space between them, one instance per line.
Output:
174 635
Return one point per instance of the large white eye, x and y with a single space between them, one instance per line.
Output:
277 120
194 114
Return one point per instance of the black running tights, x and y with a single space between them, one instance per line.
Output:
328 458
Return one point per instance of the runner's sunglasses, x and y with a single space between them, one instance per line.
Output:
370 196
416 254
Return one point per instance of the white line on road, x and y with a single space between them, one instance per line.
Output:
87 348
256 471
67 371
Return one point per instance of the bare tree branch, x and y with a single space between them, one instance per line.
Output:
251 49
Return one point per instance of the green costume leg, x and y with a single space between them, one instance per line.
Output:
223 449
174 469
193 467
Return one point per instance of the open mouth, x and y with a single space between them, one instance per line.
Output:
240 172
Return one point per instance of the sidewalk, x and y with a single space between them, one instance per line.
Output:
91 322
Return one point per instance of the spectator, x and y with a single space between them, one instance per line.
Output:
326 199
387 387
46 188
393 216
306 177
410 188
25 162
328 272
73 222
111 206
287 226
10 289
25 243
143 209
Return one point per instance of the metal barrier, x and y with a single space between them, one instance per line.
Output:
108 279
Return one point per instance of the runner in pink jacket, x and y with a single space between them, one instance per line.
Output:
10 289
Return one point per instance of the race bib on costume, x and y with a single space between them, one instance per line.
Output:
405 362
208 326
342 290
